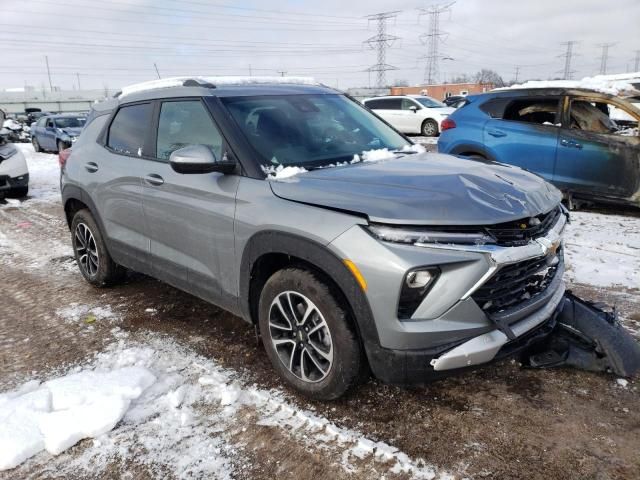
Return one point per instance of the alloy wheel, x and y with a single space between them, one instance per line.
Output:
300 336
86 250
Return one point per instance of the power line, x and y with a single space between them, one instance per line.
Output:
433 40
380 42
604 57
568 55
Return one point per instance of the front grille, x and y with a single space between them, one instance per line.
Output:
520 232
517 283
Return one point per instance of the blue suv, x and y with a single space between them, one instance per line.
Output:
56 132
584 142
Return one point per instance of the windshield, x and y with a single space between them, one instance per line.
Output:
310 130
429 102
70 122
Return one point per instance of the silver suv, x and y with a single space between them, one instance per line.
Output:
294 207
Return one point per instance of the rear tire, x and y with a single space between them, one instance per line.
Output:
429 128
36 144
310 341
92 257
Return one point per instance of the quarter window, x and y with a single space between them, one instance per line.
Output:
186 123
129 128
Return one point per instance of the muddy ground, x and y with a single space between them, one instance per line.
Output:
502 421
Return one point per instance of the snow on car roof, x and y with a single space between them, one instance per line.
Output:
217 81
611 84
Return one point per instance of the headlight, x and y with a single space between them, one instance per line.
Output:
413 236
73 139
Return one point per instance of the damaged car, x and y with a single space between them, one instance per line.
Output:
350 249
584 142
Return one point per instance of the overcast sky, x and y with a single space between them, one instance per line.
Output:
115 43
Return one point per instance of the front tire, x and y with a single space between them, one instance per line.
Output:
92 257
36 144
429 128
307 335
18 192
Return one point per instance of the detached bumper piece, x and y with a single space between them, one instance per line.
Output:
588 338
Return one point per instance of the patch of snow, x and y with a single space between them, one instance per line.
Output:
622 382
218 81
76 312
44 174
63 411
603 250
611 84
281 172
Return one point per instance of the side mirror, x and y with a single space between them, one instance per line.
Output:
413 108
199 159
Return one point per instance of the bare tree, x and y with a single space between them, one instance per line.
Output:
489 76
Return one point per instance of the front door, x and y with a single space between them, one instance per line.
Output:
48 138
595 157
189 217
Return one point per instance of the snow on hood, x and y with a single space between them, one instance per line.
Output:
611 84
281 172
425 189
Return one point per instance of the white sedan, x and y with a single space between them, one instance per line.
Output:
411 113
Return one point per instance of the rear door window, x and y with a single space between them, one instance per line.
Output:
129 128
385 104
543 111
186 123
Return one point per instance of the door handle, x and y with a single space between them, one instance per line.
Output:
496 133
570 143
154 179
91 167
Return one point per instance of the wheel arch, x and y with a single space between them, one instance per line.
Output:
270 251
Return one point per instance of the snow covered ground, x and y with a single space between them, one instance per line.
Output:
176 412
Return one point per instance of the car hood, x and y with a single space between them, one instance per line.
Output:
72 131
424 189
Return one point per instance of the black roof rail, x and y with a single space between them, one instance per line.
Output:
192 82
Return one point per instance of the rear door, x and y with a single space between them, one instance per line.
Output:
189 218
114 179
389 109
524 132
595 156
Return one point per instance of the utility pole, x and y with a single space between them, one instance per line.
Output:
432 39
157 72
605 57
250 71
282 72
515 80
568 56
46 59
78 77
637 62
380 42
